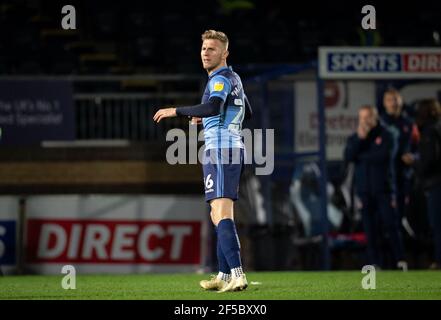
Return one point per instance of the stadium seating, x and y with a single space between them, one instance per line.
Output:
115 38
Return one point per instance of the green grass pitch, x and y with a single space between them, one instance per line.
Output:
263 285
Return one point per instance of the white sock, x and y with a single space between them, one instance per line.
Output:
224 276
236 272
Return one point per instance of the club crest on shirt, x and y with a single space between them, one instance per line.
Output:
218 86
378 140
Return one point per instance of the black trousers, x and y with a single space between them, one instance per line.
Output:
404 187
380 222
433 200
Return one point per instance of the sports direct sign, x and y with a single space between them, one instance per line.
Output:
378 63
116 234
113 241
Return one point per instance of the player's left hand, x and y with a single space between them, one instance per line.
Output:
164 113
196 120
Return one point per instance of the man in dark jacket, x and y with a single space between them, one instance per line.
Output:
404 128
428 165
372 149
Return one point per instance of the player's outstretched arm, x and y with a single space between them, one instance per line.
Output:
208 109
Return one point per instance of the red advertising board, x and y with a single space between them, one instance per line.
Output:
113 241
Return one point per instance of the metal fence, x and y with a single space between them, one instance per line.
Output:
125 116
122 107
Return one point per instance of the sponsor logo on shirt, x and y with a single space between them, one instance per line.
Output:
218 86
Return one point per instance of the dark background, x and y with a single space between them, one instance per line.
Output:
114 37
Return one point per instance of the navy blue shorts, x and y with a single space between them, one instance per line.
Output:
222 170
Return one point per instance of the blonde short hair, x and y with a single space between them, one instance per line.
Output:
372 109
217 35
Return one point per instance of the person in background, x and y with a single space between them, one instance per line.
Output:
428 167
404 129
372 150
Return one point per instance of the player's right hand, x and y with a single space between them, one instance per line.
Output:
164 113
